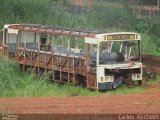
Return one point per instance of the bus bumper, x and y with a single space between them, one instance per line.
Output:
109 85
105 86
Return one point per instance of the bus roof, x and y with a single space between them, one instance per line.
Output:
45 29
53 30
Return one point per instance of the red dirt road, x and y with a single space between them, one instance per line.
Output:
144 103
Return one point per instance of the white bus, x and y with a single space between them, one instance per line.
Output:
96 60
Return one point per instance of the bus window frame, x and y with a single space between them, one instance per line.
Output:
138 48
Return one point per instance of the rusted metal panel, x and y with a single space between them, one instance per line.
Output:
63 64
53 30
91 80
3 49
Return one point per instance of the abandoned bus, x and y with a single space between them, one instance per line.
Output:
96 60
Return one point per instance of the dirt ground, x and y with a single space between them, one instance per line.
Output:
144 103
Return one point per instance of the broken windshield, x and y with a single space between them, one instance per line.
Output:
118 51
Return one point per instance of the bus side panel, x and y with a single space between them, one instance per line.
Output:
92 80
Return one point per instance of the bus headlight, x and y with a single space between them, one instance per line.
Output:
109 78
136 77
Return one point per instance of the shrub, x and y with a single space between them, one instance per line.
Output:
142 25
148 46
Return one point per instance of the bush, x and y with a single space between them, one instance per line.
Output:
142 25
148 46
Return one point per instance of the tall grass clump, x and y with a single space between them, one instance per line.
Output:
123 89
17 83
102 14
25 11
148 46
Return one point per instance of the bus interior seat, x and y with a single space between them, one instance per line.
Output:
92 55
129 43
32 46
60 49
109 57
64 50
120 57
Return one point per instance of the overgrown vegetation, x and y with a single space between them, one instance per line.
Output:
103 15
14 82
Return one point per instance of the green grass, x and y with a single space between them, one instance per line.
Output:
17 83
123 89
155 81
156 53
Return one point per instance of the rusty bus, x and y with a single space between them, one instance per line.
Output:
96 60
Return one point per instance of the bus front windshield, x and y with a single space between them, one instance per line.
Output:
118 51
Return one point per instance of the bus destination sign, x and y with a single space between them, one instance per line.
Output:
120 37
